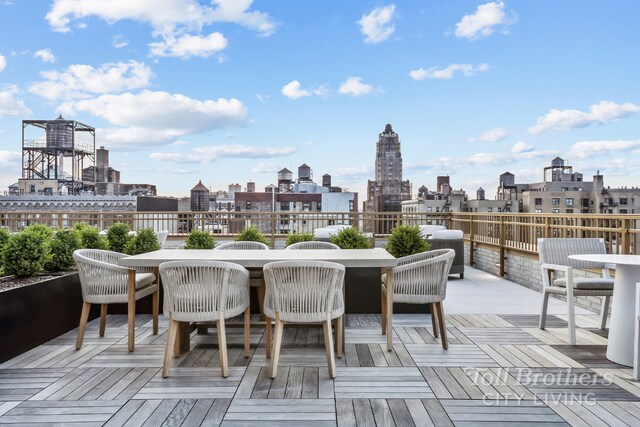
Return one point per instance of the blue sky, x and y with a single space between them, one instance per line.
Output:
233 90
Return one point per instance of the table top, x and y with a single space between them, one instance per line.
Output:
609 258
377 257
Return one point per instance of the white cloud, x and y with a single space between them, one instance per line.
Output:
170 20
587 149
212 153
483 21
493 135
9 158
3 62
292 90
150 118
266 167
603 112
78 80
467 70
354 86
119 41
46 55
10 105
377 25
353 173
186 46
521 147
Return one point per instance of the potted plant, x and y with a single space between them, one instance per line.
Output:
253 234
298 237
406 240
199 240
351 238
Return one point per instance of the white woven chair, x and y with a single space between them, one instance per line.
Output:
312 245
104 282
204 291
304 292
421 279
636 347
257 278
554 256
162 237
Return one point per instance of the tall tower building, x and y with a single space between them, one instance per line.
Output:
387 192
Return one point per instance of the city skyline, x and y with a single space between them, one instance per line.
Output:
234 91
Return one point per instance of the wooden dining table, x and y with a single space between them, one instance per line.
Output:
252 259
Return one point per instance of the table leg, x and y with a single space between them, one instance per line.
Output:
621 327
389 308
183 338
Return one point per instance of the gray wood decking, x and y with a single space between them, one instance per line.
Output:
499 370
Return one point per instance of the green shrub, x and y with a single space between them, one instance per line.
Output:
350 238
44 231
118 236
81 225
298 237
252 234
24 254
90 238
61 249
144 241
200 240
406 240
4 237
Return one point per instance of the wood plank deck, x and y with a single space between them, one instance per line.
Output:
499 370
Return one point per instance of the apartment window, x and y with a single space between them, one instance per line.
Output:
284 206
538 211
623 201
577 188
351 205
490 210
429 209
32 188
568 201
555 210
499 210
565 188
623 211
569 211
579 179
247 205
437 209
319 206
538 201
306 206
555 201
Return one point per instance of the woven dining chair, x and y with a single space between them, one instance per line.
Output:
304 292
312 244
105 282
205 291
421 279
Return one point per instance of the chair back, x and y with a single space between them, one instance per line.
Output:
312 245
100 274
557 251
162 237
305 291
423 281
242 246
199 291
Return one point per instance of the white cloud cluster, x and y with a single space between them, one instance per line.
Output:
79 80
603 112
10 159
377 25
45 55
483 21
174 21
149 118
214 152
521 147
3 62
10 105
492 135
119 41
467 70
354 86
293 90
588 149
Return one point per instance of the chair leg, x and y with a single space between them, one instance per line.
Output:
543 311
131 309
261 291
434 318
571 314
267 337
636 336
604 312
383 305
328 344
84 317
340 336
156 309
247 332
277 342
168 349
222 346
443 326
103 318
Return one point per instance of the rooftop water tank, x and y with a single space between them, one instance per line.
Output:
59 134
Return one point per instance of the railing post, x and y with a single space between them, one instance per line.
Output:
273 228
624 233
502 244
547 227
471 241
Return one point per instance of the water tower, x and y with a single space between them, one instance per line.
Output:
285 180
200 198
304 173
57 151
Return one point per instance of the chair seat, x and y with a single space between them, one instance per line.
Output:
144 279
586 283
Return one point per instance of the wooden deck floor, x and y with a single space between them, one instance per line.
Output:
499 370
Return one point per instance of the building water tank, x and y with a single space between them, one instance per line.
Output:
285 175
304 172
200 198
251 187
326 180
480 194
59 134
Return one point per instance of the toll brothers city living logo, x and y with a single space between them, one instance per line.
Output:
540 386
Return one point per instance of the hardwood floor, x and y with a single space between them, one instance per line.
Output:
498 371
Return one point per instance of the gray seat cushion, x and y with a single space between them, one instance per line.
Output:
144 279
586 283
